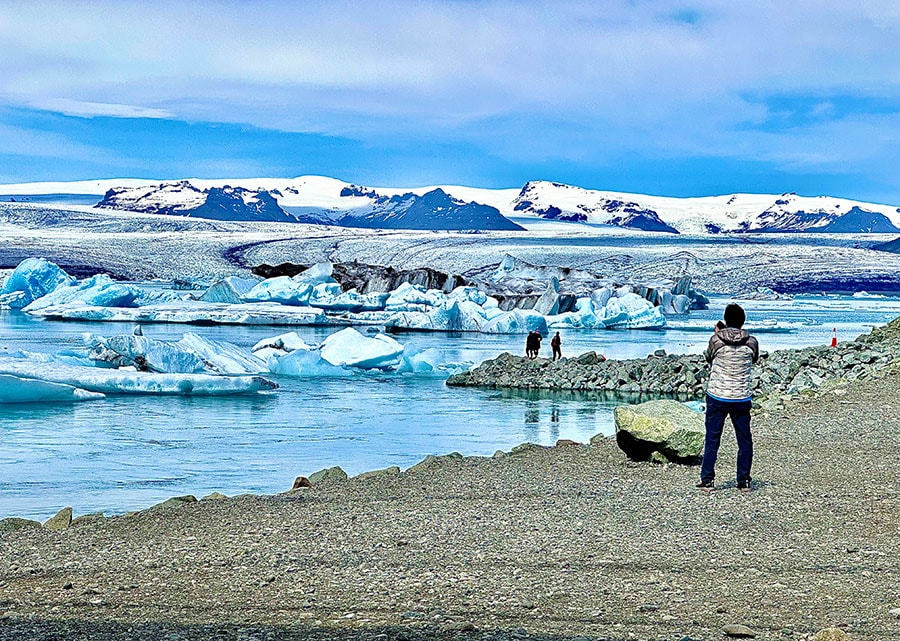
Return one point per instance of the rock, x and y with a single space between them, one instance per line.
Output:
500 454
301 481
61 521
328 475
523 448
831 634
566 442
388 471
86 519
597 439
895 613
738 631
215 496
175 501
589 358
460 626
665 427
14 523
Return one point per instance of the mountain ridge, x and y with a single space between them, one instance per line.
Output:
323 200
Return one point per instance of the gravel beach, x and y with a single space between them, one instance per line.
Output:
571 542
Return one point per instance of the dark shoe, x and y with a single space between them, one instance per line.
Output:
744 487
706 486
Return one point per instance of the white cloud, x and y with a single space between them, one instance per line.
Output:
631 74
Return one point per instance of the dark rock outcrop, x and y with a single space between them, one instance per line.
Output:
372 278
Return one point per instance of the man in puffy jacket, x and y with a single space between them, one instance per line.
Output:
731 353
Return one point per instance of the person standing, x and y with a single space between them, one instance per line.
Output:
556 344
537 343
731 353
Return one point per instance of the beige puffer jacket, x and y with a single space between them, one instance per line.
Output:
731 352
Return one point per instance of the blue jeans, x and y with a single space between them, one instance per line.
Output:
716 412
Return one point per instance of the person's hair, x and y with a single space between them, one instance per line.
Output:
734 316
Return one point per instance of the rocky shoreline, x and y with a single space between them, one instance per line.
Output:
777 376
564 543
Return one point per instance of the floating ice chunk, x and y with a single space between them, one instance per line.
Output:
146 354
229 290
631 311
116 381
14 389
445 318
34 277
430 362
221 357
471 316
351 300
600 297
192 312
305 363
288 342
349 347
468 293
318 273
517 321
414 298
99 290
491 303
281 289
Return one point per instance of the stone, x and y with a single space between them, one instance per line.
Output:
566 442
666 427
388 471
738 631
215 496
61 521
460 626
86 519
14 523
328 475
175 501
831 634
500 454
597 439
301 481
523 448
895 613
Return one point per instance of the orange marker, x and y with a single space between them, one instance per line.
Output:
834 337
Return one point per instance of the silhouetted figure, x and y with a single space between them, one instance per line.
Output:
556 344
537 343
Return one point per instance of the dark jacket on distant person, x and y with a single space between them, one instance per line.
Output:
731 353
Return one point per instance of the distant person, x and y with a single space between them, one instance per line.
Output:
731 353
537 343
556 344
529 345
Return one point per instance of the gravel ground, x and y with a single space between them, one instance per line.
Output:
572 542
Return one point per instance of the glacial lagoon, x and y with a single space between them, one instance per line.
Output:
129 452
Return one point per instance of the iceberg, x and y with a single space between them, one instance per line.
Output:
288 342
220 357
34 278
191 312
630 311
469 293
517 321
229 290
305 363
428 362
414 298
15 389
349 347
116 381
145 354
317 274
281 289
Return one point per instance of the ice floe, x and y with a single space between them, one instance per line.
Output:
16 389
30 280
119 381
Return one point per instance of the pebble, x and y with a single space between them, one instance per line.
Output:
738 631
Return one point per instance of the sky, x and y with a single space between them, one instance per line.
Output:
659 97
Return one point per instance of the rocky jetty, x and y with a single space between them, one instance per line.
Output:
777 374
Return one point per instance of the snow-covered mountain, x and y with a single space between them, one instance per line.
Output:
309 200
317 199
735 213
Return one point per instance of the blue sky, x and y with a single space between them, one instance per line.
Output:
671 98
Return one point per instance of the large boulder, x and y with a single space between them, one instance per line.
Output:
660 431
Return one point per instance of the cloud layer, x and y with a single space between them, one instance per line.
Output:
807 87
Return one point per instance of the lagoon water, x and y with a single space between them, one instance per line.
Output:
129 452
